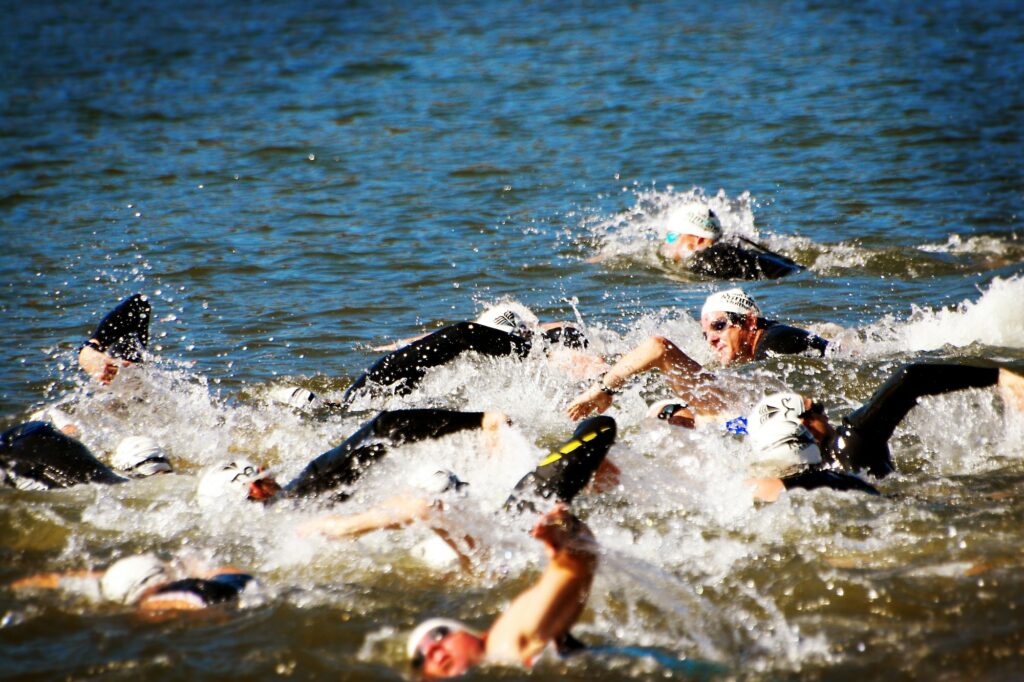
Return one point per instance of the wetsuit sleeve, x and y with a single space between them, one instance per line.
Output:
731 261
408 365
567 469
781 339
891 402
824 478
725 261
35 455
202 592
344 464
124 332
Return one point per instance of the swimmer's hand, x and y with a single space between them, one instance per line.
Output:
564 535
1011 386
98 365
492 421
590 400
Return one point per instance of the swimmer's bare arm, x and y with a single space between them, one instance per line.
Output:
766 489
1011 386
98 364
547 610
686 376
52 580
394 513
401 343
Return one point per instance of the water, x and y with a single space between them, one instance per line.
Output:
293 184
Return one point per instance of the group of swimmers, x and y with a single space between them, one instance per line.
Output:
792 444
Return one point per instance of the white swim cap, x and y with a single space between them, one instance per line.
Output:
694 218
786 405
427 626
297 397
777 436
140 456
733 300
227 481
126 579
508 317
440 481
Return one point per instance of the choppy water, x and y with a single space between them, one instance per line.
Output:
294 183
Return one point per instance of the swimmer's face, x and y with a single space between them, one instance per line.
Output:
263 489
815 419
451 655
678 246
728 335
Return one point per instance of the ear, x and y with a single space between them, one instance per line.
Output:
751 322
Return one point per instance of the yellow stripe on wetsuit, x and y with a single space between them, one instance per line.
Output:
571 446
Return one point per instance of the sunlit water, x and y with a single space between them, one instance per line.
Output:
293 184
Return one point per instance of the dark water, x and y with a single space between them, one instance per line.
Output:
292 183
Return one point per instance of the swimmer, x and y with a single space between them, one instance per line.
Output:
37 456
561 475
538 618
861 441
501 331
786 456
343 465
118 340
145 581
734 329
692 235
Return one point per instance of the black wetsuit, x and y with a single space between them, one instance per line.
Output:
564 472
862 441
817 477
124 332
731 261
35 455
344 464
400 371
781 339
207 592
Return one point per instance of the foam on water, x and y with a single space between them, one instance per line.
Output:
681 539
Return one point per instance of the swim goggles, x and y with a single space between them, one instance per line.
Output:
671 237
670 409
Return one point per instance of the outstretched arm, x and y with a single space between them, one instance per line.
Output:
53 580
548 609
393 513
118 340
686 376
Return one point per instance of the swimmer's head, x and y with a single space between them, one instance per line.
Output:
730 321
786 405
441 481
733 300
778 438
442 647
297 397
237 480
509 317
695 219
140 456
128 579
